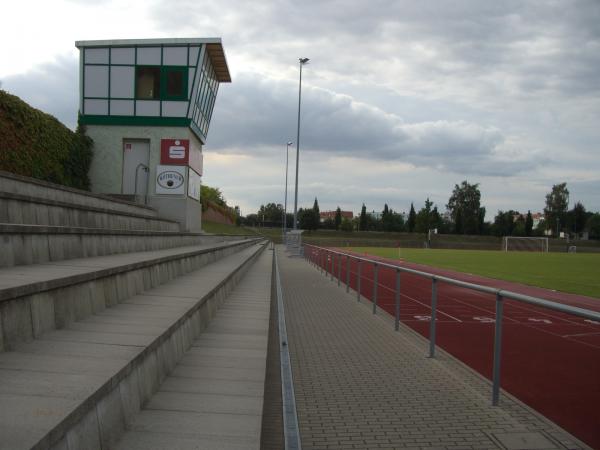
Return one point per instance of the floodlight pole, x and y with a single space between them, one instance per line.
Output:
302 61
287 151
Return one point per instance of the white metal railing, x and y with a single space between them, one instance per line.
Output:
321 256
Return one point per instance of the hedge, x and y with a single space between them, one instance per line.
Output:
36 144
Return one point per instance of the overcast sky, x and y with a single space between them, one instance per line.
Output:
401 100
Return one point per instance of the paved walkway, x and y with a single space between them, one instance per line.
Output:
360 384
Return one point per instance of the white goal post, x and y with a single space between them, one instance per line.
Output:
525 244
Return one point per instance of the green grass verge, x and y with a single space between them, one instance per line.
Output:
221 228
577 273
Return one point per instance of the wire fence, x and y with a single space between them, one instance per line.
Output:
363 275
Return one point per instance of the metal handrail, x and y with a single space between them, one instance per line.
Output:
500 294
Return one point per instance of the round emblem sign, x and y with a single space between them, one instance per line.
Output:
169 179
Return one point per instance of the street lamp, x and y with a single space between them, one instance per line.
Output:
302 61
287 151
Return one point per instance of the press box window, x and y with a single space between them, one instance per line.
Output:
161 83
147 86
175 83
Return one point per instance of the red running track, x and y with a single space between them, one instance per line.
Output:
550 360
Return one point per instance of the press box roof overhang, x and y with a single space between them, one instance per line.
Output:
161 82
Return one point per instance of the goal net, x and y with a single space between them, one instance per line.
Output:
525 244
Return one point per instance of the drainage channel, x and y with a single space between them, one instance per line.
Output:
290 418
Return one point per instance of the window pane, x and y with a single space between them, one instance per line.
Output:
175 83
147 83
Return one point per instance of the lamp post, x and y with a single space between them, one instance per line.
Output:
302 61
287 152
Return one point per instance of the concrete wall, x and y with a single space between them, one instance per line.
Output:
106 172
186 211
29 310
104 416
31 187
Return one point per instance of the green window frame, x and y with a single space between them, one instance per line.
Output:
165 73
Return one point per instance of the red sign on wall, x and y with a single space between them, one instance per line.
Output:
175 151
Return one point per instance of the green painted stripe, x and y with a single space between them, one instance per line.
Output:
138 120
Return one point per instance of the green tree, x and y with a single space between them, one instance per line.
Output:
540 229
459 226
251 220
465 203
423 220
528 224
327 224
362 225
412 219
213 195
519 228
504 223
270 215
555 211
305 219
397 222
387 219
436 219
593 226
338 218
316 215
481 217
346 225
577 218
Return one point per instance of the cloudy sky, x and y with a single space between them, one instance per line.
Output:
401 100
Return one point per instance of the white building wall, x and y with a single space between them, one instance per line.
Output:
106 172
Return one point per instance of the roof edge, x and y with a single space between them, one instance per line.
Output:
142 42
214 46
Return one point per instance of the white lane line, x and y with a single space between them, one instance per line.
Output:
581 334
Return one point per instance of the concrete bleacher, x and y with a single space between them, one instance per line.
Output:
99 300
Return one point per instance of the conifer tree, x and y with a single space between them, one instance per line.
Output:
412 219
316 215
338 218
363 218
528 224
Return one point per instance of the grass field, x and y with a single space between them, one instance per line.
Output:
565 272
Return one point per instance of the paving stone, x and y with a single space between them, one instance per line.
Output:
360 384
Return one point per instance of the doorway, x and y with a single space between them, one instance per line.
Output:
136 157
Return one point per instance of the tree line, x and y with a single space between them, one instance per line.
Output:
464 214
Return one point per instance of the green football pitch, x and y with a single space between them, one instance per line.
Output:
577 273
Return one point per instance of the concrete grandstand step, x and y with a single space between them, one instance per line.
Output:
31 187
35 244
38 298
26 209
81 386
214 396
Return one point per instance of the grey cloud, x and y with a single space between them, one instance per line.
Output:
52 87
545 46
259 114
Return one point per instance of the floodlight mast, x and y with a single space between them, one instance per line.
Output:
302 61
287 151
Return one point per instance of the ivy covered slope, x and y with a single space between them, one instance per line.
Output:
36 144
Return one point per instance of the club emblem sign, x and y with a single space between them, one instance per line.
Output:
170 180
174 151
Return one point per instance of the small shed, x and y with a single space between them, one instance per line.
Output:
148 104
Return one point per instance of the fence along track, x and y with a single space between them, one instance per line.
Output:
319 256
